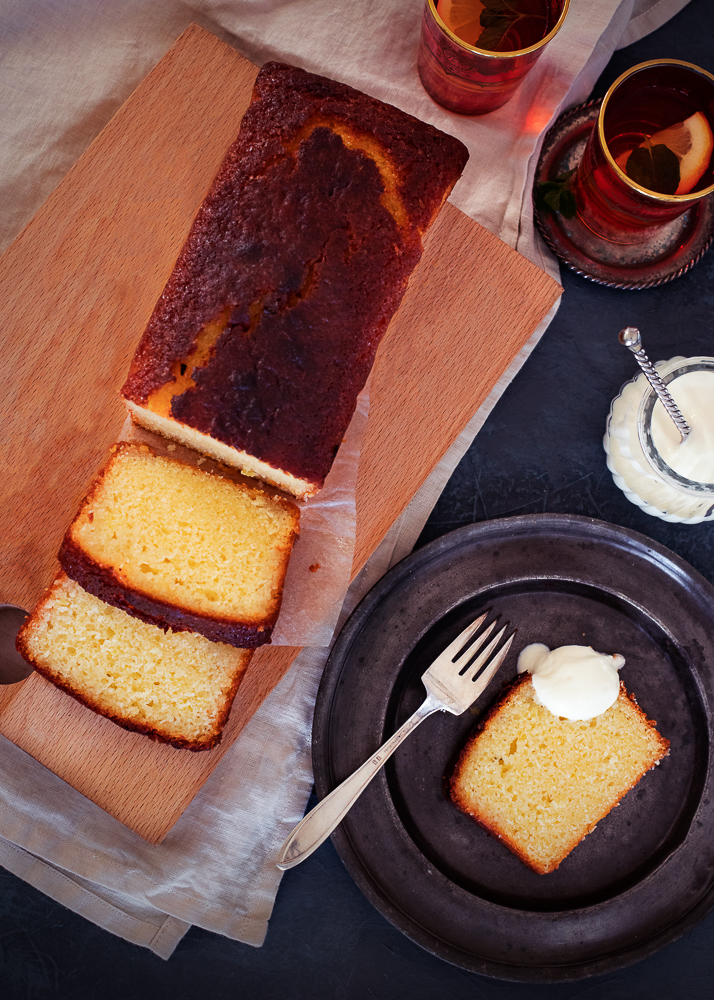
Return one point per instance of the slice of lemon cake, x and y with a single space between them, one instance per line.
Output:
182 548
177 687
541 782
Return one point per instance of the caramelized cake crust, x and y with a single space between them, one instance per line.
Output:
298 258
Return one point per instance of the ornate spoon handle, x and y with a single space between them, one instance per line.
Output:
630 338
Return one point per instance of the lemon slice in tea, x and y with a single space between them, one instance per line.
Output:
692 143
463 17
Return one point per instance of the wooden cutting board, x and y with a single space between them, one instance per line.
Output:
77 288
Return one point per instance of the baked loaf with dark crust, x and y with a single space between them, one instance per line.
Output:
182 548
299 256
541 783
175 687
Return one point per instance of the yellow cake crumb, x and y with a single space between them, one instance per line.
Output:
176 686
541 783
186 537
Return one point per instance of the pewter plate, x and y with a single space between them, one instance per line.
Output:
646 873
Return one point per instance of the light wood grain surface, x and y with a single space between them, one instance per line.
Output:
76 290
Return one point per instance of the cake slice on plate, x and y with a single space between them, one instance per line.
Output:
540 782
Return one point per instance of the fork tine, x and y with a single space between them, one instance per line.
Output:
461 639
484 652
464 657
491 669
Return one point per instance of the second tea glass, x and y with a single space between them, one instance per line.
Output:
641 102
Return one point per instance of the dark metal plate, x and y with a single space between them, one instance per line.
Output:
674 251
638 881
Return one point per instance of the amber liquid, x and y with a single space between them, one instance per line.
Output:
470 82
645 103
640 114
522 23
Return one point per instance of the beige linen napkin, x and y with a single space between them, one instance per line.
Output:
65 69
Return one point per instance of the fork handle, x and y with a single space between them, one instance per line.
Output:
319 823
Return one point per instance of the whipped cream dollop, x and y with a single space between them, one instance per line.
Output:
574 682
692 458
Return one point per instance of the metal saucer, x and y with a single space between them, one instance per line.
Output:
675 250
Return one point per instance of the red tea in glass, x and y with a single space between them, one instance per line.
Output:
663 107
479 69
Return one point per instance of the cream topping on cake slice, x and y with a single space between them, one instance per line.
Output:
572 682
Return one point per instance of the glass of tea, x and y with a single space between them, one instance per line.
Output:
649 157
473 54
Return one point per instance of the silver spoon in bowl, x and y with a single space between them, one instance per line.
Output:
12 666
631 339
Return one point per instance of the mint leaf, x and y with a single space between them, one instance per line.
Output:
654 167
494 32
497 18
568 205
551 196
556 196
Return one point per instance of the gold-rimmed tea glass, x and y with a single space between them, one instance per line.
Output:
641 102
473 81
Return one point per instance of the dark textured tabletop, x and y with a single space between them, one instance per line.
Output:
540 450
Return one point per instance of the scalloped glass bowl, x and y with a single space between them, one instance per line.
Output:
632 458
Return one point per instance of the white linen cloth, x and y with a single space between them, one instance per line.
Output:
67 65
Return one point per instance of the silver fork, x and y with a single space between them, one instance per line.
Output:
453 683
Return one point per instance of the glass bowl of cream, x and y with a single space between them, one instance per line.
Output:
666 476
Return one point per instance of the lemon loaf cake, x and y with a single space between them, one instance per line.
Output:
182 548
540 782
296 261
177 687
